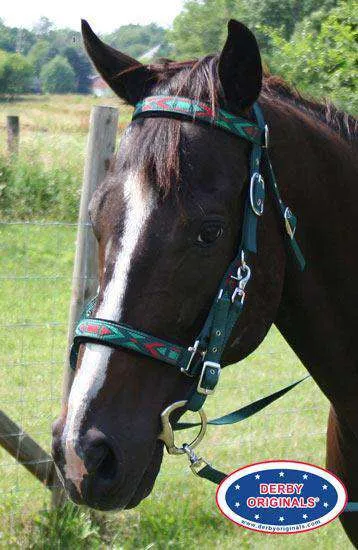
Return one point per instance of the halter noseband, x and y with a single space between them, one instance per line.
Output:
202 359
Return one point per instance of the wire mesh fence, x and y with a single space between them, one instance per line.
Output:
36 262
35 276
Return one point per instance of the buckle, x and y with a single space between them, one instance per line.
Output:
194 350
267 137
290 222
216 369
257 193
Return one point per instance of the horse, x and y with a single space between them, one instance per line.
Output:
168 219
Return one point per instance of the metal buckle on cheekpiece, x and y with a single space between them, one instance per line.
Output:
167 434
257 193
290 222
194 350
215 369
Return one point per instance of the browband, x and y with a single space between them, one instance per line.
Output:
200 112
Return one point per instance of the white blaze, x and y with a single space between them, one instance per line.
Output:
86 385
92 374
139 206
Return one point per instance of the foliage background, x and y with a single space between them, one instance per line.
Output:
311 43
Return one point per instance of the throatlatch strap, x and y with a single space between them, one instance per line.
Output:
288 218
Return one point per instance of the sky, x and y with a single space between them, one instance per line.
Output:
103 16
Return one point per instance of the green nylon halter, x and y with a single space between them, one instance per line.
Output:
202 360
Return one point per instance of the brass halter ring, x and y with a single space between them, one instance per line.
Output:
167 434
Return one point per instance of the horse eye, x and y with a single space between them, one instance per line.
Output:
209 233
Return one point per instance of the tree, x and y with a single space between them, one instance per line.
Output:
13 39
43 27
57 76
283 15
15 73
136 40
201 26
81 66
40 54
321 56
68 44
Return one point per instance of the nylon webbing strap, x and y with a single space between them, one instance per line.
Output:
120 335
289 219
351 506
209 472
186 108
244 412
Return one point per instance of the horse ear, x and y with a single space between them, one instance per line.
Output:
240 69
128 78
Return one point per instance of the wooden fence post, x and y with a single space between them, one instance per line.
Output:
100 148
26 451
13 131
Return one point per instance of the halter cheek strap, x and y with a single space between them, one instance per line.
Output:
257 134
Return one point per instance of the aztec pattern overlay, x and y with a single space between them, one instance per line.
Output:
121 336
198 111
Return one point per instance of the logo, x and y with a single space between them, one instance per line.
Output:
281 496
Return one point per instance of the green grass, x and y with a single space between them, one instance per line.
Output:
35 272
44 180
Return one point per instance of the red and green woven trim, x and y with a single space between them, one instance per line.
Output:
201 112
120 336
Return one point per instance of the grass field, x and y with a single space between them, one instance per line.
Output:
35 272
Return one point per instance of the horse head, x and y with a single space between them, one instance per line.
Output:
168 219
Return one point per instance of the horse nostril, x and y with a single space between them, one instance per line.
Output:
94 457
108 467
98 455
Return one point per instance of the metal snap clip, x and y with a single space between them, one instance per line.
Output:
167 433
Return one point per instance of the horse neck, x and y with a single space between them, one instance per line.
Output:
317 172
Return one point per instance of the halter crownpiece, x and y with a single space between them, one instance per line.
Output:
202 360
